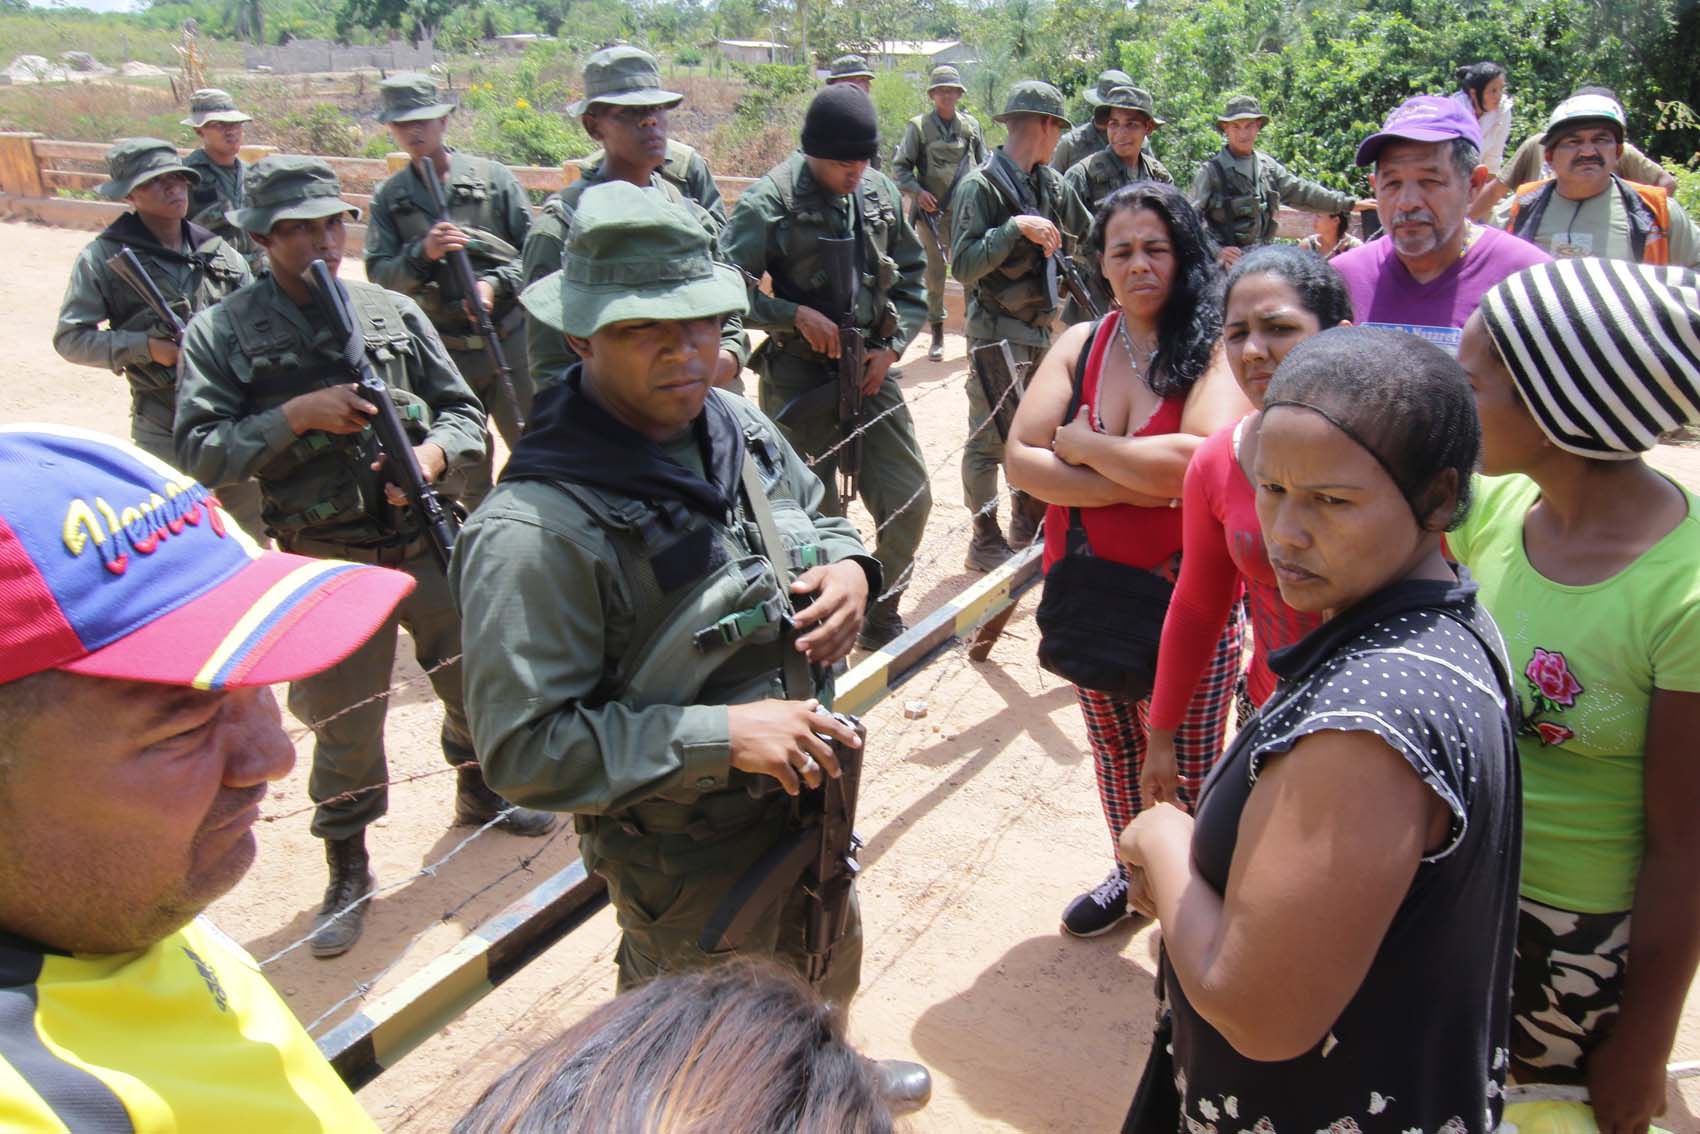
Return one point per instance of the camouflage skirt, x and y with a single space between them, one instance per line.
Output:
1567 987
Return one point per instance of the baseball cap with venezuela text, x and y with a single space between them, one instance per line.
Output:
113 564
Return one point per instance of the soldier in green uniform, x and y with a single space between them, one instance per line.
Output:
625 109
853 71
219 125
630 650
406 246
1131 119
1241 189
193 269
999 256
1082 141
938 149
826 189
264 395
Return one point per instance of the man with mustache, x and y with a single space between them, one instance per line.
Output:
137 735
1585 208
1428 270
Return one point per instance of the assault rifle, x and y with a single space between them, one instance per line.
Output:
844 286
820 850
466 280
128 268
428 508
931 220
1061 274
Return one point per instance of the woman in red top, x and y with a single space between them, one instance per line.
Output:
1154 387
1275 297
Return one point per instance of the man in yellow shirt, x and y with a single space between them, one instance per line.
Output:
141 631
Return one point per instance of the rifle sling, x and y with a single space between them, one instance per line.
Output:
772 875
799 684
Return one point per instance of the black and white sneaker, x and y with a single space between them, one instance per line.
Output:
1099 910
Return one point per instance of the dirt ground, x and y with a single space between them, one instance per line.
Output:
981 822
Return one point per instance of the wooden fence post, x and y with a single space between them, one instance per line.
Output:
20 172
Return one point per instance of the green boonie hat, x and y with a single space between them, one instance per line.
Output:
288 187
209 104
633 254
408 98
1031 96
848 67
1107 82
1132 98
945 75
1239 108
623 76
134 161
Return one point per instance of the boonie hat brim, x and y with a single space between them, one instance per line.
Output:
415 113
1243 116
581 309
197 120
646 96
946 85
1008 114
261 220
117 190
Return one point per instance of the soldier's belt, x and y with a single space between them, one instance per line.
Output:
716 815
797 347
381 554
510 323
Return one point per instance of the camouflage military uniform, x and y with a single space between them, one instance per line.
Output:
197 274
220 187
930 157
1088 138
1240 198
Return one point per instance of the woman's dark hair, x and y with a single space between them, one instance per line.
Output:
743 1048
1475 77
1402 398
1192 316
1319 287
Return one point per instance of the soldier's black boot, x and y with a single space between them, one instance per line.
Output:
1024 524
883 624
340 921
987 551
905 1086
935 353
476 804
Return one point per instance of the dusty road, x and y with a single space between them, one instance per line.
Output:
981 821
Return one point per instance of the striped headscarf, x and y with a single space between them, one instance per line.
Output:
1605 353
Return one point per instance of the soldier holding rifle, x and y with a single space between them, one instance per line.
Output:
1017 224
111 319
274 388
937 150
422 237
653 598
818 204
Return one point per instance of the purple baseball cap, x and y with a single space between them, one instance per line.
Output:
1425 118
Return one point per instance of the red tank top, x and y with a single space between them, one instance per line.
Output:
1123 533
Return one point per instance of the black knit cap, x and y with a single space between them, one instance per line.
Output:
840 125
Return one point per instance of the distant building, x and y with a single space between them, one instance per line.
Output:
921 54
752 51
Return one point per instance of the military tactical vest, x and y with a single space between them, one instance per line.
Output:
322 486
800 275
216 194
1016 288
1241 212
216 271
941 154
471 197
1103 173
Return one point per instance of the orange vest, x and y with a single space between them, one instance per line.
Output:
1649 238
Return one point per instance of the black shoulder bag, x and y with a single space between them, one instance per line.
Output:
1100 621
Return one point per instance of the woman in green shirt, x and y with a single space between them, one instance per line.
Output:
1589 560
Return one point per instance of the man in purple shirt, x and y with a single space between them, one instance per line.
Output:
1431 266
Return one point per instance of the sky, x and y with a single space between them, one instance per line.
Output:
95 5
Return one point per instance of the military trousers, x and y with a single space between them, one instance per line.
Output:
348 751
893 482
504 415
241 500
983 455
937 268
662 914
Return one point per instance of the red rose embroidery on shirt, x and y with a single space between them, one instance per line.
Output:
1553 733
1552 678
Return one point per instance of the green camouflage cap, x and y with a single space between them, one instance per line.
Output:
133 161
1107 82
945 75
408 98
1031 96
289 187
633 254
623 76
1132 98
1239 108
209 104
848 67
